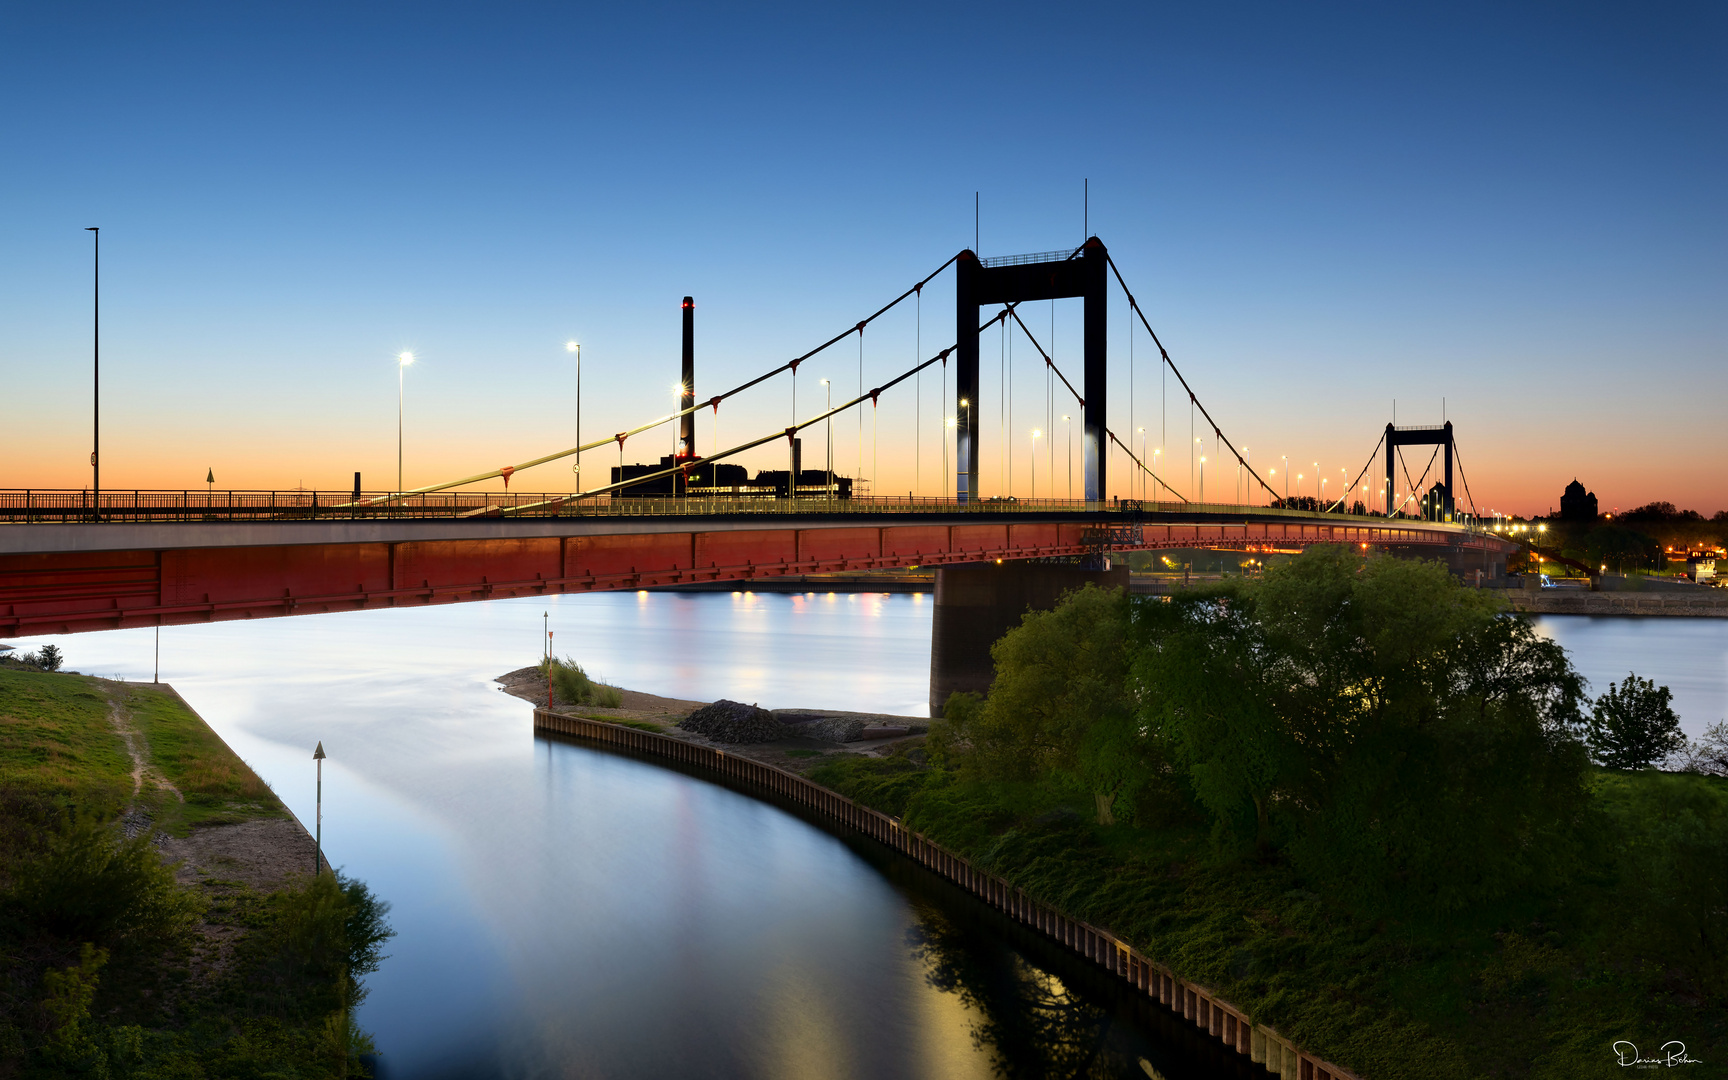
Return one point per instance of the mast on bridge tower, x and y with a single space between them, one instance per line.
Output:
1016 279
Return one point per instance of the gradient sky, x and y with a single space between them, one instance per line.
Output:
1514 209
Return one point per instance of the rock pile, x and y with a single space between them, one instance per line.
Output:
733 722
834 729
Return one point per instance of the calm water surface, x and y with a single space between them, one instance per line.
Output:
568 912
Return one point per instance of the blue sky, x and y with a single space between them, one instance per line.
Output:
1515 208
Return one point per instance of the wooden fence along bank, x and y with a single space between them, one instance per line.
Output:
1210 1013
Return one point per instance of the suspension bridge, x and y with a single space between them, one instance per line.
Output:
73 561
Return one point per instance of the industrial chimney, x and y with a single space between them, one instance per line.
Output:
687 426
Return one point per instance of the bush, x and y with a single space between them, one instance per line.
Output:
48 658
1633 725
91 884
571 685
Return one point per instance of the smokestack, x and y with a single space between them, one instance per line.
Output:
687 426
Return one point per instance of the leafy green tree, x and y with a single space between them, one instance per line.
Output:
1060 706
1385 728
1633 725
48 658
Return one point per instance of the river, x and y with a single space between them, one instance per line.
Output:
563 911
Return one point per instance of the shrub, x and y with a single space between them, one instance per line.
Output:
89 883
320 940
572 685
1633 725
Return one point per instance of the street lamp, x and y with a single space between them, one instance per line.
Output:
1202 478
576 347
1142 471
1156 481
1285 458
1037 434
828 407
95 232
402 361
964 403
953 423
1068 437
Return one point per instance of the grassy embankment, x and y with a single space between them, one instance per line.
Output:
111 968
1537 986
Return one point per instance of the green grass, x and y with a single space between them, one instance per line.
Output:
58 753
1533 987
158 1010
219 788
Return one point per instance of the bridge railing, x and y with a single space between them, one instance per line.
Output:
30 505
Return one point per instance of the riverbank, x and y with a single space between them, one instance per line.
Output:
143 861
660 716
1537 988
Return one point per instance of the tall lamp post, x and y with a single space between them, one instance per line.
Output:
828 435
1141 471
402 361
1037 434
576 347
318 836
95 369
1068 437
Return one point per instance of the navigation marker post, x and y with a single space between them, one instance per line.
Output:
318 836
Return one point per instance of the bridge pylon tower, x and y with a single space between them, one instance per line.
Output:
1419 436
1016 279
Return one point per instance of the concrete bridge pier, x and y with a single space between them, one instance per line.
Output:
976 603
1464 562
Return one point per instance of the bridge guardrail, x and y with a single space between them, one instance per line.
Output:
31 505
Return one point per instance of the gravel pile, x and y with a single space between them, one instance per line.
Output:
734 722
834 729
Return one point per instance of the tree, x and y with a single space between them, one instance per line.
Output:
1709 755
1059 705
49 658
1370 719
1633 725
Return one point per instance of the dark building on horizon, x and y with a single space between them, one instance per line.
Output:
1576 504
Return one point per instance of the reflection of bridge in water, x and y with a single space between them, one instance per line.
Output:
75 561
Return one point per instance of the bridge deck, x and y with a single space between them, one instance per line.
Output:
63 577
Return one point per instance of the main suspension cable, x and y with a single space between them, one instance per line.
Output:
1134 306
713 402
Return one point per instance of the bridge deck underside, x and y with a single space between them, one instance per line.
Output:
70 592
